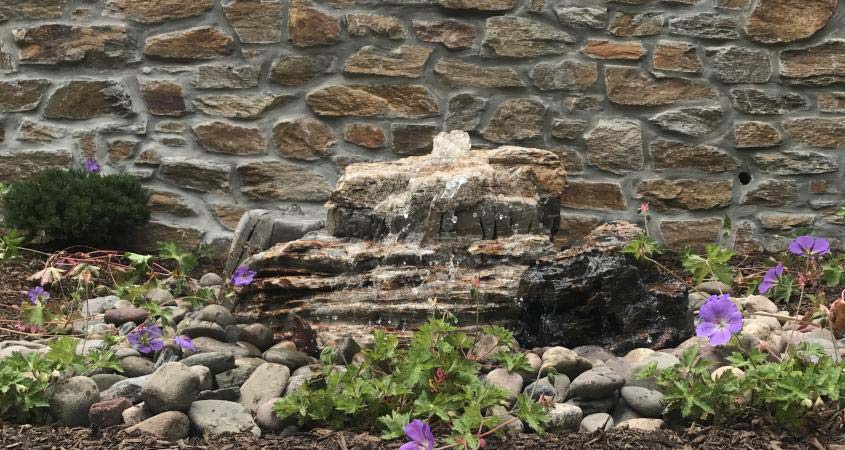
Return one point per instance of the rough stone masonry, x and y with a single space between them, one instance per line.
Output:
704 108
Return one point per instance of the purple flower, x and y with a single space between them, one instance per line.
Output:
242 276
37 294
146 338
771 278
719 319
91 165
420 435
809 246
185 342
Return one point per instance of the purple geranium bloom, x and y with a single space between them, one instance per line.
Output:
242 276
809 246
420 435
770 279
185 342
146 338
37 294
718 320
91 165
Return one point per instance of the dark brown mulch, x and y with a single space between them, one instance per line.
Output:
44 437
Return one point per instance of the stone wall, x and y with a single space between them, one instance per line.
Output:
704 108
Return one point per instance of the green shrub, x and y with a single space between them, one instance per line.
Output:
75 206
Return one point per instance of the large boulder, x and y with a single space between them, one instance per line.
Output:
594 295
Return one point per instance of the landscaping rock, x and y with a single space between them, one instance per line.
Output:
217 362
123 315
108 413
135 415
647 425
204 377
596 383
217 314
71 400
169 425
136 366
194 328
106 380
647 402
170 388
266 418
565 361
293 359
235 377
211 279
205 345
215 416
266 382
595 422
257 334
565 417
130 388
509 382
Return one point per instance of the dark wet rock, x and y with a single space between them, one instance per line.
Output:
593 294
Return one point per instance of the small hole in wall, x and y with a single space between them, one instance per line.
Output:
744 177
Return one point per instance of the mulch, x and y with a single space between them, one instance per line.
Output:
707 438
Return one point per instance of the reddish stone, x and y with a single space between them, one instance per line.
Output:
108 413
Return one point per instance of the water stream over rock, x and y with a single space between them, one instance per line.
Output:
406 236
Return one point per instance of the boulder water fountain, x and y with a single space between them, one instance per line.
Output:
404 237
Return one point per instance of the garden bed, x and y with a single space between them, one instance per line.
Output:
708 438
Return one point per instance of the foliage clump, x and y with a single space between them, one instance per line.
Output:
76 206
24 379
436 379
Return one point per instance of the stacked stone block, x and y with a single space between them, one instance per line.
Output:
706 109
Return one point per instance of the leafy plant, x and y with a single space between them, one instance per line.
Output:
10 244
76 206
436 379
832 272
714 265
24 379
785 390
642 247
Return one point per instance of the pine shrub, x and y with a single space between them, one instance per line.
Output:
76 207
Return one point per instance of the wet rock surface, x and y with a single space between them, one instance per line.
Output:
592 294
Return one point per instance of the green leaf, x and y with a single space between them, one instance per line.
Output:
185 261
394 424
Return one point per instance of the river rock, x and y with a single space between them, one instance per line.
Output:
108 413
170 388
595 422
169 426
598 382
647 402
565 417
216 416
266 382
71 400
136 366
217 362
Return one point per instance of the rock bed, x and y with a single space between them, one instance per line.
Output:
230 383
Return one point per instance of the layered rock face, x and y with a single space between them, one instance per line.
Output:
236 105
407 238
